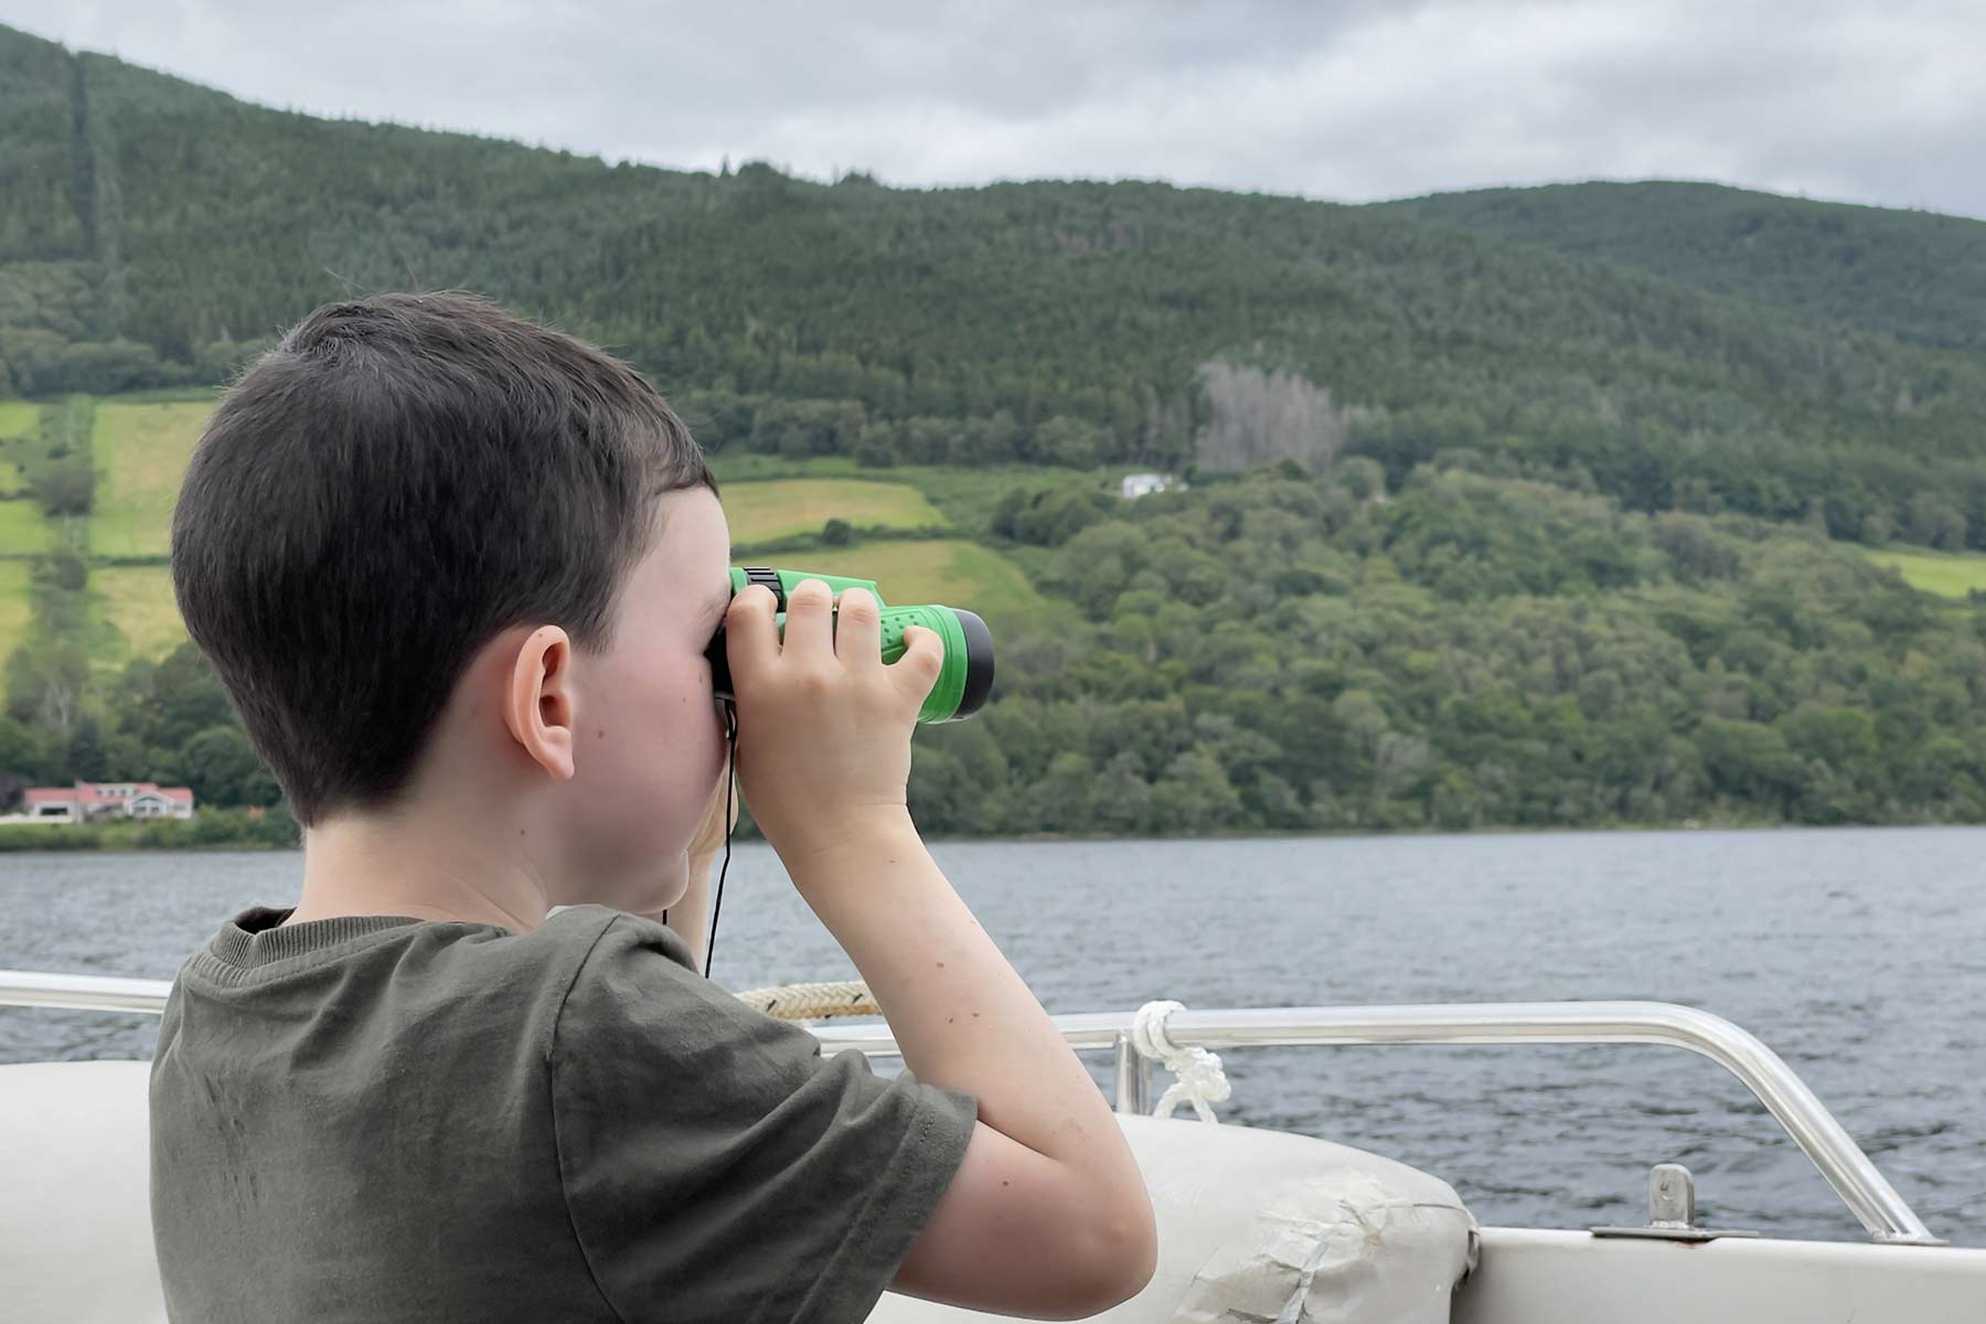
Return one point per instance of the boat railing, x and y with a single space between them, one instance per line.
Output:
1852 1174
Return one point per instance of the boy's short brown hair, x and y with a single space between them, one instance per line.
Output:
400 479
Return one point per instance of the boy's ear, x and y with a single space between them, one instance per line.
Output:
538 703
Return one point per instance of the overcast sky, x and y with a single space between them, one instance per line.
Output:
1880 101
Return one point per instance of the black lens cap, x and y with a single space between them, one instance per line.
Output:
978 663
720 666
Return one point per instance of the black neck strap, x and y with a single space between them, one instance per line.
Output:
730 789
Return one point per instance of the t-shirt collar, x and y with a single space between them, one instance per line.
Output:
252 939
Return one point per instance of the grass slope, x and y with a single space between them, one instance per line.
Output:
18 418
1947 574
142 446
16 607
141 452
20 423
137 600
963 497
950 571
762 511
23 529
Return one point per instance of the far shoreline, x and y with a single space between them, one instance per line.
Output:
240 834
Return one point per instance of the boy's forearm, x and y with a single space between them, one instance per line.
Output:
961 1014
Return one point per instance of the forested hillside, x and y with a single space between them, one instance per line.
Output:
1523 508
1917 276
152 231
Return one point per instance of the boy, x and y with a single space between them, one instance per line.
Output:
458 573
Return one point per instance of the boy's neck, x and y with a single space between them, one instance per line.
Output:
359 864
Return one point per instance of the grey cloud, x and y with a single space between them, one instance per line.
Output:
1354 100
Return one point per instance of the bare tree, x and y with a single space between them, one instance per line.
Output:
1259 418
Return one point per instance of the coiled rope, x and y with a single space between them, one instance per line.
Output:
813 1002
1197 1075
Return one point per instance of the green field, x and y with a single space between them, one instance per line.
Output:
965 498
20 423
141 453
1947 574
943 570
137 599
19 418
141 447
763 511
16 607
23 530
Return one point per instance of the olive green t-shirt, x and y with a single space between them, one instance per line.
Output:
379 1118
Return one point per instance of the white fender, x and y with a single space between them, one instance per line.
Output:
1266 1227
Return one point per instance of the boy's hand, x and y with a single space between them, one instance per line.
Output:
823 726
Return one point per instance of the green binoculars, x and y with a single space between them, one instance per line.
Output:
963 683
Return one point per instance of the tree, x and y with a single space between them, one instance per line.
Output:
1069 441
1120 797
20 761
219 766
1194 796
1360 475
46 680
86 757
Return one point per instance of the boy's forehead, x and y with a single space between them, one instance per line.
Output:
689 560
691 519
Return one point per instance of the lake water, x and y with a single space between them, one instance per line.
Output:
1860 956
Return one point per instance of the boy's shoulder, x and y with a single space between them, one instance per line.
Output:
584 952
582 927
600 937
634 974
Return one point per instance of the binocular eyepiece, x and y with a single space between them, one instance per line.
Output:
965 679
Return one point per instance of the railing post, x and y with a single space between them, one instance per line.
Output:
1134 1079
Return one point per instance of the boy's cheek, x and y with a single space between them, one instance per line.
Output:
653 774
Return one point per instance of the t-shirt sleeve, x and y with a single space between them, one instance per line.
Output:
716 1166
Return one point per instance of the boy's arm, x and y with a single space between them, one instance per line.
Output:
1047 1214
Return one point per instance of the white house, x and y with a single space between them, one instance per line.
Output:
90 802
1137 485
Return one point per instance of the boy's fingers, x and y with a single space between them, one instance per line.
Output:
751 640
858 635
809 623
923 658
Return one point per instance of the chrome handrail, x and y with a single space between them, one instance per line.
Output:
1851 1173
32 988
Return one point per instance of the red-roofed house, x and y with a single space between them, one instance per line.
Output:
87 802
